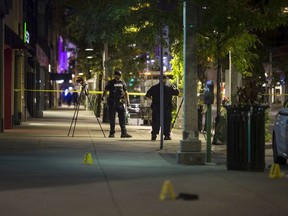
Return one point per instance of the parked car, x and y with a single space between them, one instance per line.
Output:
134 108
280 137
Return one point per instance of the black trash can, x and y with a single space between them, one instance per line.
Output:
246 138
257 149
237 137
200 122
106 118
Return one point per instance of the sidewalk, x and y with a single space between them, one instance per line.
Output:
42 173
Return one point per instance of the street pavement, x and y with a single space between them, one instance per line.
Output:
45 172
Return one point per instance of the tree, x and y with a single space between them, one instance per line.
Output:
231 25
223 25
120 23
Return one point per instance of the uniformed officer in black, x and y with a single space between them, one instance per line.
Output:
154 94
118 96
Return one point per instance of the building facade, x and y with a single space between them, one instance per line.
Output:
28 55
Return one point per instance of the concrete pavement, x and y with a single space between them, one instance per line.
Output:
42 173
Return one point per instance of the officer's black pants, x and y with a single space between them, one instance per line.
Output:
120 109
156 121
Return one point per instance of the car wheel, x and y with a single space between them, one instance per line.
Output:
277 159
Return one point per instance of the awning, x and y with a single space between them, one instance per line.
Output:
13 40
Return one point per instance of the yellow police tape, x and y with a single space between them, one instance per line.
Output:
56 91
101 92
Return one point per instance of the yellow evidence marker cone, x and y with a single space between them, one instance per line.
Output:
167 188
275 171
88 159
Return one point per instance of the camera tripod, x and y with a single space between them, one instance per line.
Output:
84 91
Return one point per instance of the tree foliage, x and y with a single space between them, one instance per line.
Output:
223 25
231 25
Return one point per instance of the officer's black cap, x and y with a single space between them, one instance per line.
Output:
119 73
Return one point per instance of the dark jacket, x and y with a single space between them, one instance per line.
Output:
116 90
154 93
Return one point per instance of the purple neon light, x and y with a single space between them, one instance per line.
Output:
62 57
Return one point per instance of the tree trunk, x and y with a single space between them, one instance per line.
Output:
190 146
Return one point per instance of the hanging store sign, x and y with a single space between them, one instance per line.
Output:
26 34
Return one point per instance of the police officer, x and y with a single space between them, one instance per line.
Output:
118 96
154 94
